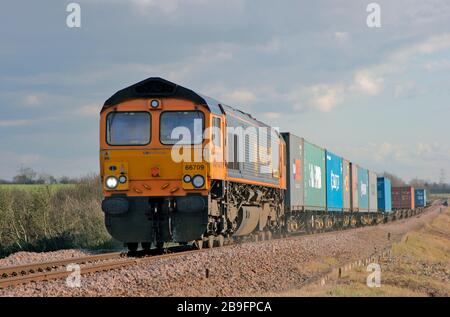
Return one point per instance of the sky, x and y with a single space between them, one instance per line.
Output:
377 96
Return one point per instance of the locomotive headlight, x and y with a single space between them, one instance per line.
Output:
187 178
122 179
198 181
154 103
111 182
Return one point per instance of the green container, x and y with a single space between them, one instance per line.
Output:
314 177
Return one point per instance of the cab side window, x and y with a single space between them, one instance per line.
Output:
216 132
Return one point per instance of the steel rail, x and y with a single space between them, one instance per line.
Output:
48 266
119 262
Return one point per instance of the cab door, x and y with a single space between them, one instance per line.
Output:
218 170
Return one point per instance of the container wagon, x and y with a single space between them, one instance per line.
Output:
355 189
314 178
403 201
373 192
420 197
347 185
363 189
335 193
384 194
403 198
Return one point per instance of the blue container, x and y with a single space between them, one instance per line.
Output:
420 195
335 182
363 189
384 194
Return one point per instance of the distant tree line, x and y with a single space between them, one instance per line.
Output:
432 187
27 175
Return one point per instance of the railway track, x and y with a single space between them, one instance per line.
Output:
22 274
44 271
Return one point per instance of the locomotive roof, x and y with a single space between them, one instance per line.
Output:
156 87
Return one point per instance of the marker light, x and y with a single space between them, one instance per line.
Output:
198 181
154 103
122 179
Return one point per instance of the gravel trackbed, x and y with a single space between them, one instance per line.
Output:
237 270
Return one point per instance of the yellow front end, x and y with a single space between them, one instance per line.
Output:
152 172
155 189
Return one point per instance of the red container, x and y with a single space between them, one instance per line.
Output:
403 198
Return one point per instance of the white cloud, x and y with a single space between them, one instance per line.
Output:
167 6
272 46
89 110
326 97
28 158
407 89
32 100
367 82
272 115
323 97
341 36
14 123
241 96
435 66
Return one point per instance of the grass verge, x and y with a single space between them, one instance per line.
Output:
419 266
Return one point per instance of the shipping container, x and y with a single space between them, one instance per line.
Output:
373 192
314 180
294 172
306 175
420 197
347 185
335 197
384 194
363 189
403 198
354 191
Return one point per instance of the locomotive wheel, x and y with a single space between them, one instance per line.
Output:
146 246
353 221
132 246
199 244
346 221
220 240
328 223
262 236
211 242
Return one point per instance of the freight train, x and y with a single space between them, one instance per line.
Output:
177 166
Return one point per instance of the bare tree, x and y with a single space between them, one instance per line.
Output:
396 181
418 183
442 177
26 175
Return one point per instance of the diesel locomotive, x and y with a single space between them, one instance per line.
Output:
178 166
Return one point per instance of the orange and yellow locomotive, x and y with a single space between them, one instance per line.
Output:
177 166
